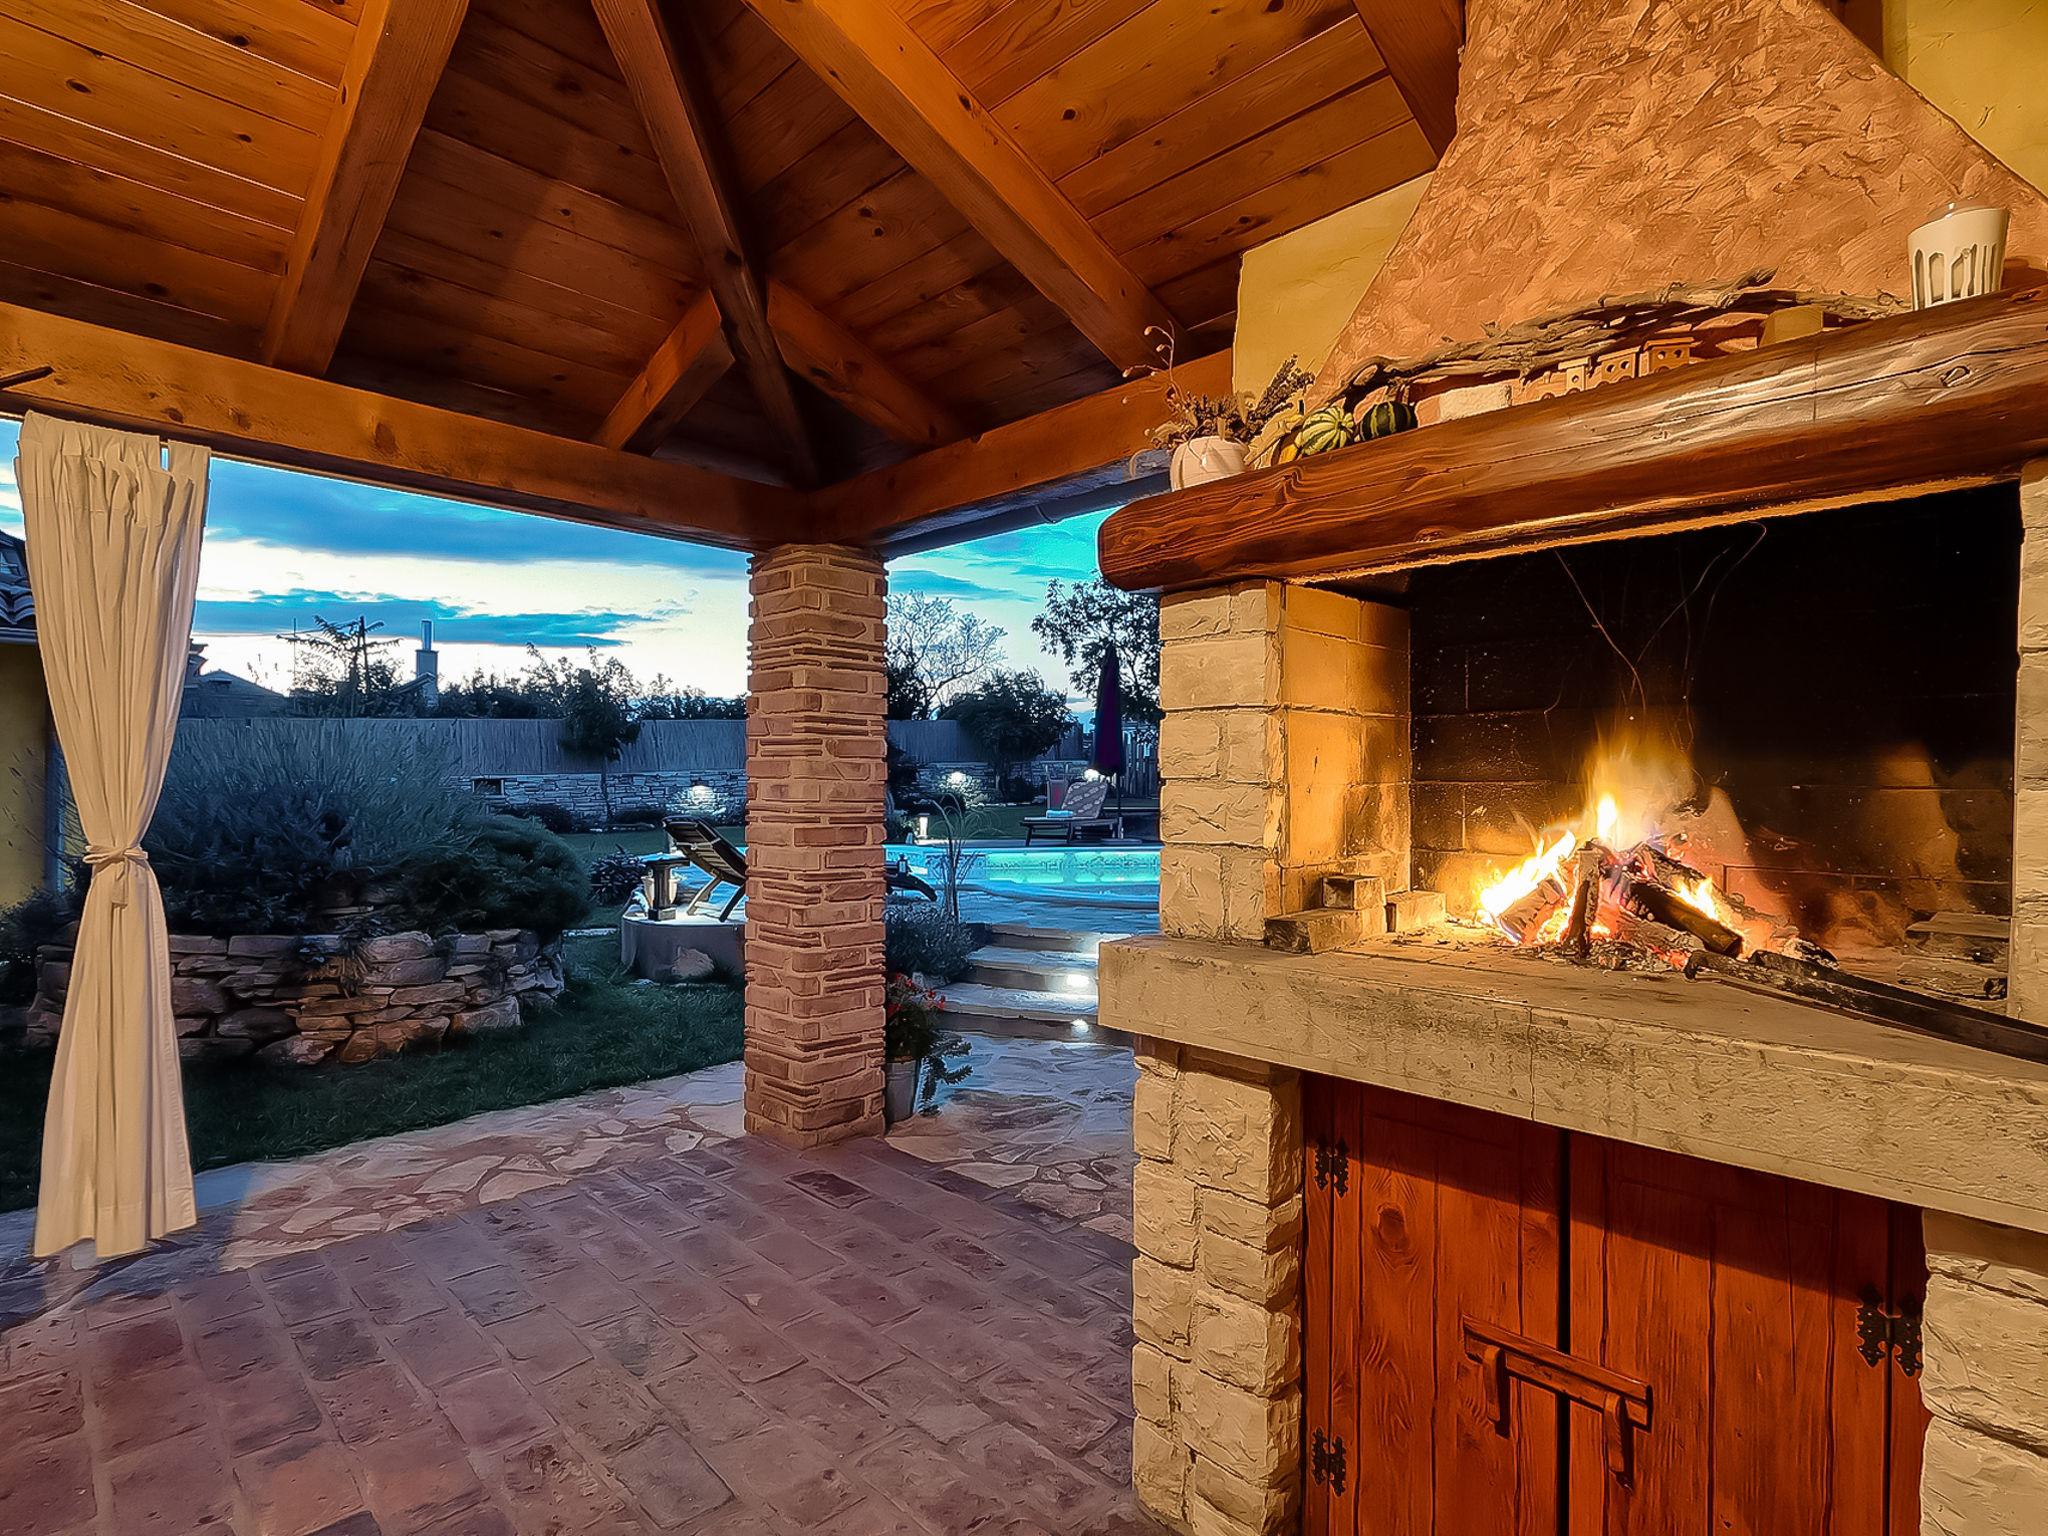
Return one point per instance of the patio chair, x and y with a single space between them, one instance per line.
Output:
711 856
1081 818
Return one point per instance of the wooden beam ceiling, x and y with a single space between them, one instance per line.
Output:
677 124
1419 40
870 56
949 490
693 357
846 368
276 417
399 52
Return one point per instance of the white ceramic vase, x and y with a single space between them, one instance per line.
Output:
1202 459
1958 255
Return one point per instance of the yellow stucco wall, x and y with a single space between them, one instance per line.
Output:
24 736
1980 61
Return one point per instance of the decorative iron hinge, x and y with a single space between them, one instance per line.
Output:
1326 1460
1883 1333
1333 1166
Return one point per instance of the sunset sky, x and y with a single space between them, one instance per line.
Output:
282 547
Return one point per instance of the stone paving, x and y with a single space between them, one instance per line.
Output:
691 1332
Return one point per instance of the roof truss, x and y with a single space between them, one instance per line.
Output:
1420 39
693 357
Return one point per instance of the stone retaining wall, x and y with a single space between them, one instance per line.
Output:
583 793
319 997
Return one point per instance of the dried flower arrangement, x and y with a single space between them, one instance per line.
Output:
1236 418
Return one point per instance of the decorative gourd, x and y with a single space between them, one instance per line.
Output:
1387 418
1323 430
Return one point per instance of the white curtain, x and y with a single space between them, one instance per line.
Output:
113 554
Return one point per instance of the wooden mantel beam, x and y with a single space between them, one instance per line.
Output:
1947 397
276 417
693 357
401 48
1420 39
867 53
676 122
842 365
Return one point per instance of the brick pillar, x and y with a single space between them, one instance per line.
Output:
1985 1471
816 773
2027 979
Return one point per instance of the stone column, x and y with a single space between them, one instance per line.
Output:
816 773
2027 979
1985 1471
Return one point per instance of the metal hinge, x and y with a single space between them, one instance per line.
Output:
1326 1460
1333 1166
1883 1333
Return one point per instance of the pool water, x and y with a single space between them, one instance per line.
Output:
1107 876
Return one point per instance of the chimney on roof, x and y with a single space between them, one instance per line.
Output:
426 666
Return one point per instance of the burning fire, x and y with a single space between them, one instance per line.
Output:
1626 873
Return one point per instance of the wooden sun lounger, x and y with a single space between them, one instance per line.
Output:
721 863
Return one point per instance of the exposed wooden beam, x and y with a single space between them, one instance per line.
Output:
851 372
1946 397
289 419
694 357
401 48
869 55
678 125
958 489
1419 40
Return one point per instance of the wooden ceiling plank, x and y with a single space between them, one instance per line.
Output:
1420 40
64 294
561 307
693 357
907 95
493 312
400 50
853 373
1022 41
675 121
277 417
311 42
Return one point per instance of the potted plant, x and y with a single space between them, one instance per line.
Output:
915 1044
1212 437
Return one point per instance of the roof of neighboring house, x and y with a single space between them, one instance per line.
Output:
17 603
228 696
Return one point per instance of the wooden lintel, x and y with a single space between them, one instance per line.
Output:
950 489
1946 397
843 366
401 48
289 419
693 357
1419 40
867 53
676 122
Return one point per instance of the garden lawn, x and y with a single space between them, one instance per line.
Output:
604 1033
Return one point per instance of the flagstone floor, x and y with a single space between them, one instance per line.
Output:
611 1315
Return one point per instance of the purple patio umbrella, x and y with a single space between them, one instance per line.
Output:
1107 758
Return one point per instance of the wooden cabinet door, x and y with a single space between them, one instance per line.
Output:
1735 1296
1421 1215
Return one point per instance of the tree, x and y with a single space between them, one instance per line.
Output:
1079 622
664 701
1013 715
339 670
596 707
489 696
935 649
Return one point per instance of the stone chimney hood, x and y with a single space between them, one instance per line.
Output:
1615 146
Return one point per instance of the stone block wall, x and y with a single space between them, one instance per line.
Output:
1216 1371
816 773
2027 977
310 998
583 793
1284 753
1985 1470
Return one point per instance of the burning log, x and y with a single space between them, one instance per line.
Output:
1525 919
1578 928
1659 903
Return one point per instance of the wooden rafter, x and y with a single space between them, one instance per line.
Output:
401 48
677 124
692 358
1420 39
107 376
870 56
851 372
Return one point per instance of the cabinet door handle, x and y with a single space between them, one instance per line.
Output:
1623 1402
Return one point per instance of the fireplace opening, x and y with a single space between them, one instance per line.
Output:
1815 714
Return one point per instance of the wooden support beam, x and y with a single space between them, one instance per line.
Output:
958 489
678 125
869 55
1942 398
1419 40
276 417
846 368
692 358
401 48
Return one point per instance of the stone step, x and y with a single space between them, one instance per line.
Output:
983 1009
1039 970
1078 941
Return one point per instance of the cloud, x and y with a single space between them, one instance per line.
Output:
939 584
276 613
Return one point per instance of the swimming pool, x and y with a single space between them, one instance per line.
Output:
1098 876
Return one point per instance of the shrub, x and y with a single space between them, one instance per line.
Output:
925 940
615 877
44 918
645 814
558 819
511 874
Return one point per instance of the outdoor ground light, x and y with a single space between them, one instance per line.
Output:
956 778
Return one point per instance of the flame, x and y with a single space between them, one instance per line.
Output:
1526 877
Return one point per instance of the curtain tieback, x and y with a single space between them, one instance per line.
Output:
99 857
